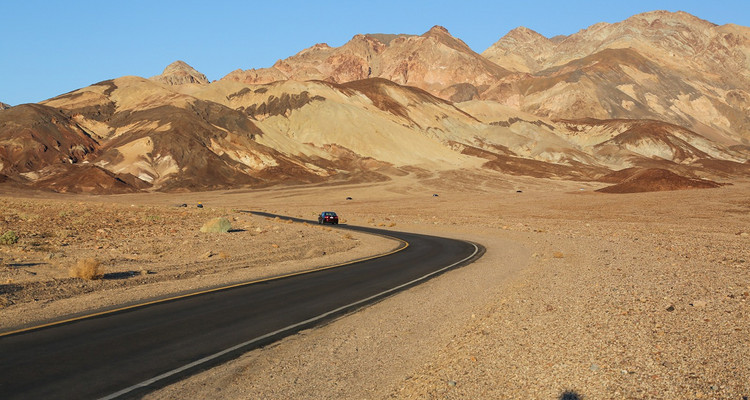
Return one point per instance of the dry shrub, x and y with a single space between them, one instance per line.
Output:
392 224
217 225
9 238
86 268
347 236
275 246
558 255
223 255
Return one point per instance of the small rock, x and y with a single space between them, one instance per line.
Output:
594 367
451 383
744 234
670 308
714 387
698 304
207 254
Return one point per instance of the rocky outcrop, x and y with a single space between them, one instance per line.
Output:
3 106
180 73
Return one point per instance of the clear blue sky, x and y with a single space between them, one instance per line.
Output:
52 47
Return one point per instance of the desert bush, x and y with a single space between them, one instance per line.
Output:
220 225
86 268
151 218
9 237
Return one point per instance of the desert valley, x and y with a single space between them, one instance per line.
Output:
606 172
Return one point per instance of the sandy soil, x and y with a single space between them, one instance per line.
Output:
148 251
600 295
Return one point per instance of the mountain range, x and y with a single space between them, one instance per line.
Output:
659 90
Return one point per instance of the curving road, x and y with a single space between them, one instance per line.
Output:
128 352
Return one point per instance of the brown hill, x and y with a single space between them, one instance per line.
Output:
653 180
33 136
86 178
434 61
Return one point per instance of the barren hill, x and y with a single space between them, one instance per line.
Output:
608 98
180 73
434 61
654 180
660 65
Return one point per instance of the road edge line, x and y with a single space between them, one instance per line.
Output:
214 356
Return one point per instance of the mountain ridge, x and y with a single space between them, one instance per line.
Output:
384 105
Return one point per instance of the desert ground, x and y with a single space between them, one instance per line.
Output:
603 296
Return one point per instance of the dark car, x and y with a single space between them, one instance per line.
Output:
328 217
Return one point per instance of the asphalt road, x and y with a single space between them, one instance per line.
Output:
127 353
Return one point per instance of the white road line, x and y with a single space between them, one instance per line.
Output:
267 335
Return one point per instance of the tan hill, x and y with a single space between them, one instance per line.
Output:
179 73
659 65
174 141
142 135
345 114
434 61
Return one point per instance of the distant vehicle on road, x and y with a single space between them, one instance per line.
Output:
328 217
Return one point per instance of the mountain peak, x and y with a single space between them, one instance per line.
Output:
179 73
524 32
438 29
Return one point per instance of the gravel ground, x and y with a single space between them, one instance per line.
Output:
147 252
580 294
